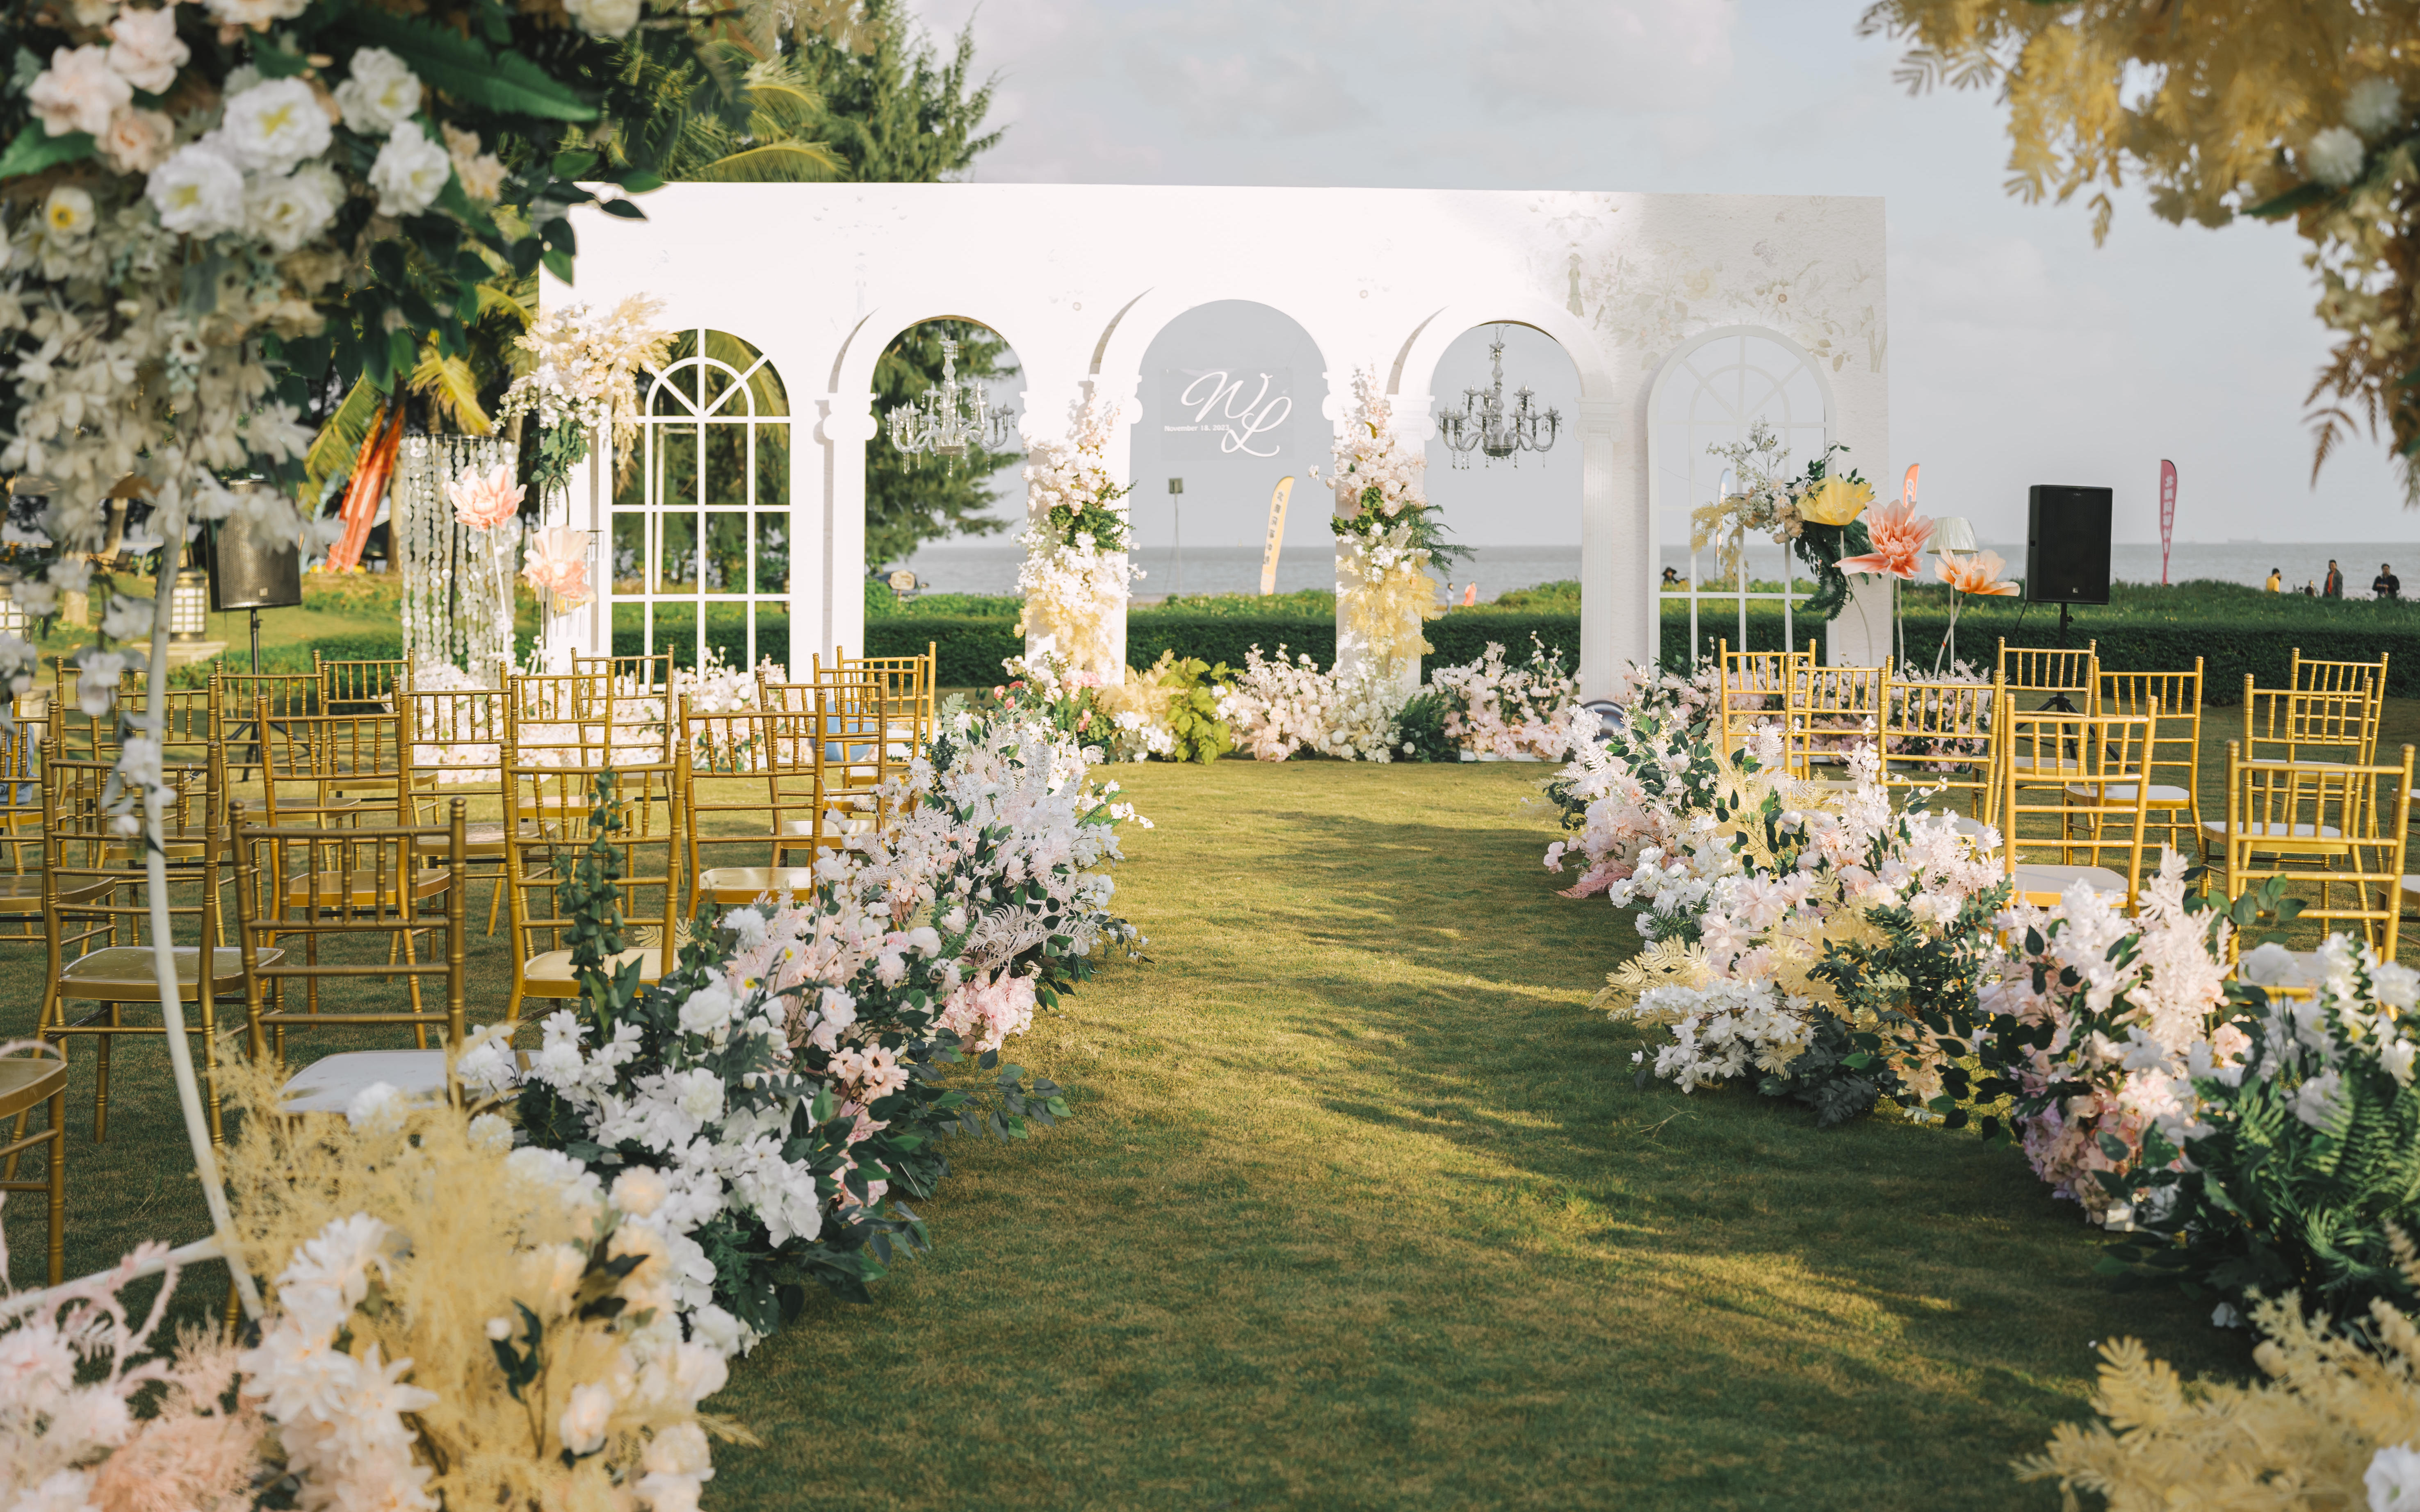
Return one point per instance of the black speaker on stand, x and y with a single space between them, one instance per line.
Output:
247 574
2067 552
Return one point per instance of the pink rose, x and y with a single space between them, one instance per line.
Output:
137 141
147 53
78 92
484 503
558 565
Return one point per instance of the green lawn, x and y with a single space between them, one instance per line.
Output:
1361 1209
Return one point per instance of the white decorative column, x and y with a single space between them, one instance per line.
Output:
1613 551
828 597
1862 636
583 505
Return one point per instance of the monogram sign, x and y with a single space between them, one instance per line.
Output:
1217 412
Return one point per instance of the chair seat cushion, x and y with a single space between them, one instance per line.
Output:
25 1080
2163 794
2216 829
2043 885
2031 768
330 1083
478 839
745 884
23 895
553 969
132 966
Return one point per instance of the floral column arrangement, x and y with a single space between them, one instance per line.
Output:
1386 534
585 384
1076 575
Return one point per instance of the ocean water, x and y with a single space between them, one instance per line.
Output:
992 569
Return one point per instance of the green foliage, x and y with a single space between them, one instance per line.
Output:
1194 720
1559 597
895 113
1420 728
1305 602
1918 986
1836 1075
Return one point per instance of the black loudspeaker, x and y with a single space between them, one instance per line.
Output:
2066 545
245 573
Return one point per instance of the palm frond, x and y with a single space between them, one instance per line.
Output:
452 388
771 163
340 437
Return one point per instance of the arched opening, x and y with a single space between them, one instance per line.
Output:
923 512
1519 513
1712 391
700 538
1234 401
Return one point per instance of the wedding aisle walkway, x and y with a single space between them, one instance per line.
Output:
1361 1209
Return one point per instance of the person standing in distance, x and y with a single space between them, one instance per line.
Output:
2276 580
2386 585
2334 586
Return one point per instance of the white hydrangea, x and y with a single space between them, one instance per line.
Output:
2334 156
605 18
2374 107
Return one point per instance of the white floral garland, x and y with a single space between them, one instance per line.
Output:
1073 585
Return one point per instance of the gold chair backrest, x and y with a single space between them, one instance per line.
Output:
359 686
322 768
1939 735
1828 709
457 741
754 784
2310 675
91 869
2335 827
2297 725
2034 675
2095 815
318 888
1752 688
907 680
2176 740
552 801
639 675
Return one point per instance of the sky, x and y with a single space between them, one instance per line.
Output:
2020 353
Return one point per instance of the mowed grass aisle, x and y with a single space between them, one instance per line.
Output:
1361 1209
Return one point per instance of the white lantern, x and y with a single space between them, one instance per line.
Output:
189 606
1953 533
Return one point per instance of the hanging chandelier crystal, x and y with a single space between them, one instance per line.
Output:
1485 425
950 420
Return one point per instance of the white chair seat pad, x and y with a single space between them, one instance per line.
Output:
2216 829
2037 882
330 1083
2163 794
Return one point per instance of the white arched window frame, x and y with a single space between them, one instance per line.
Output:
1708 392
701 531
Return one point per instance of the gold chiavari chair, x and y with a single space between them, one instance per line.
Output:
1826 710
457 751
81 847
2174 802
2040 676
629 676
2295 725
20 835
859 751
1752 688
28 1081
754 785
337 892
240 697
551 791
2329 827
1937 745
908 683
2094 823
359 686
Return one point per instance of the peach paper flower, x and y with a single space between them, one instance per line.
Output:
1899 534
484 503
1977 574
558 565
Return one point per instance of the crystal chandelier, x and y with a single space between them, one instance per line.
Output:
948 421
1484 425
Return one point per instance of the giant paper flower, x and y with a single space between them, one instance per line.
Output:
485 503
1836 501
1977 573
558 566
1899 534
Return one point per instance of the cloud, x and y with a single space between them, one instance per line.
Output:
1616 56
1257 93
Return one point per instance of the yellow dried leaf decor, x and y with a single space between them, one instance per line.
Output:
1664 962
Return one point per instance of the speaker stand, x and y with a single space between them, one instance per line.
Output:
255 642
2059 701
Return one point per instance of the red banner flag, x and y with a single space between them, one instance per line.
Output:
2168 513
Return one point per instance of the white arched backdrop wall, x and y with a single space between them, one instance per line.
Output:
1078 279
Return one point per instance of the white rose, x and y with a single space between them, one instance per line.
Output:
380 93
707 1009
138 140
256 13
410 172
604 18
147 53
288 209
128 619
273 126
583 1421
197 192
78 92
2393 1479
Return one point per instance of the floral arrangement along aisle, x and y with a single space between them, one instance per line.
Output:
781 1091
1390 537
1076 578
1815 513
